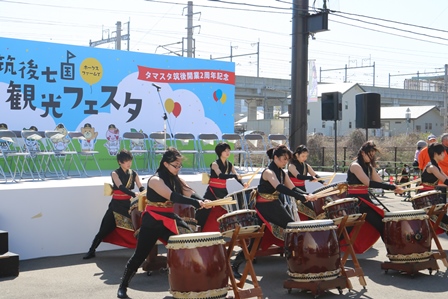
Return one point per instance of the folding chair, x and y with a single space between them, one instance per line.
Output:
84 156
206 145
43 159
1 170
15 160
186 143
58 142
158 143
238 147
277 139
136 143
255 145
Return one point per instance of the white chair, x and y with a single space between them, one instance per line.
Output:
136 143
15 160
44 159
158 143
255 145
206 145
186 143
277 139
59 143
84 155
236 143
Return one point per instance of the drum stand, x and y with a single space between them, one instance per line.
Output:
355 221
240 240
154 261
413 267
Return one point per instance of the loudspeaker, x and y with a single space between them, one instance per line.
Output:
368 110
331 106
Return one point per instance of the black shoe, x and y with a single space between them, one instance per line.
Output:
122 292
89 255
236 274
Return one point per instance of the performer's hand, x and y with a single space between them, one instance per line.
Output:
311 197
245 185
203 203
399 190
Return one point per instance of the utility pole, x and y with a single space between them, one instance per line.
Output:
299 71
117 38
239 55
190 27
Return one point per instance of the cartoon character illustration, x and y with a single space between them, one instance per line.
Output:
88 144
113 140
60 141
31 145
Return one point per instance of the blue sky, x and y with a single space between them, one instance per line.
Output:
224 27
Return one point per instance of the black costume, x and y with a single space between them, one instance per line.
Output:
216 189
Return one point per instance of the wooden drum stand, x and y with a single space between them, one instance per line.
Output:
413 267
241 241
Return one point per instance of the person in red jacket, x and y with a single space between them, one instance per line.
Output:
423 157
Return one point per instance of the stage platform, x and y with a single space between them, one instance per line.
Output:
61 217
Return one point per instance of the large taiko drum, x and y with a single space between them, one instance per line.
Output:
242 199
187 213
246 219
312 250
342 207
321 202
197 266
427 199
407 236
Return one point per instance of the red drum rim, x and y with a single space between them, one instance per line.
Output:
339 201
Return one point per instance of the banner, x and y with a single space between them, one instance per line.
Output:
312 81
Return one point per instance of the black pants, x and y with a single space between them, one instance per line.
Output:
108 223
150 231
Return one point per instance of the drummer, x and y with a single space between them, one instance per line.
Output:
362 175
124 180
158 220
433 176
273 181
220 171
299 171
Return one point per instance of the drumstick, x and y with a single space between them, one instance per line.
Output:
408 189
324 178
331 180
221 203
253 176
325 191
409 183
326 194
246 174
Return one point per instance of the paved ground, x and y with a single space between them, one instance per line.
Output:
72 277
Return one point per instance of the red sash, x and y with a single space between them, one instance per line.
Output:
120 195
169 223
217 183
297 182
357 189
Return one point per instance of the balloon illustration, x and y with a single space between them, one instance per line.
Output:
223 98
91 71
169 105
218 95
177 109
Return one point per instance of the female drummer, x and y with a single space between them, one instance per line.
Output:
433 176
362 175
220 171
270 210
158 220
124 179
299 171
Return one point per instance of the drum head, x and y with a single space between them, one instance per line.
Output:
405 215
311 225
425 194
195 240
340 201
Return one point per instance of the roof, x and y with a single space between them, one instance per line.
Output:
260 115
400 111
332 87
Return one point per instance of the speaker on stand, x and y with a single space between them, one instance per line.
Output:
368 111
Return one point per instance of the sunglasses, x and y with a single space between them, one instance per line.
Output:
176 166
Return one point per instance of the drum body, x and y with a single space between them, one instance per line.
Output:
246 219
320 203
242 199
341 207
427 199
197 266
312 250
187 213
407 236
